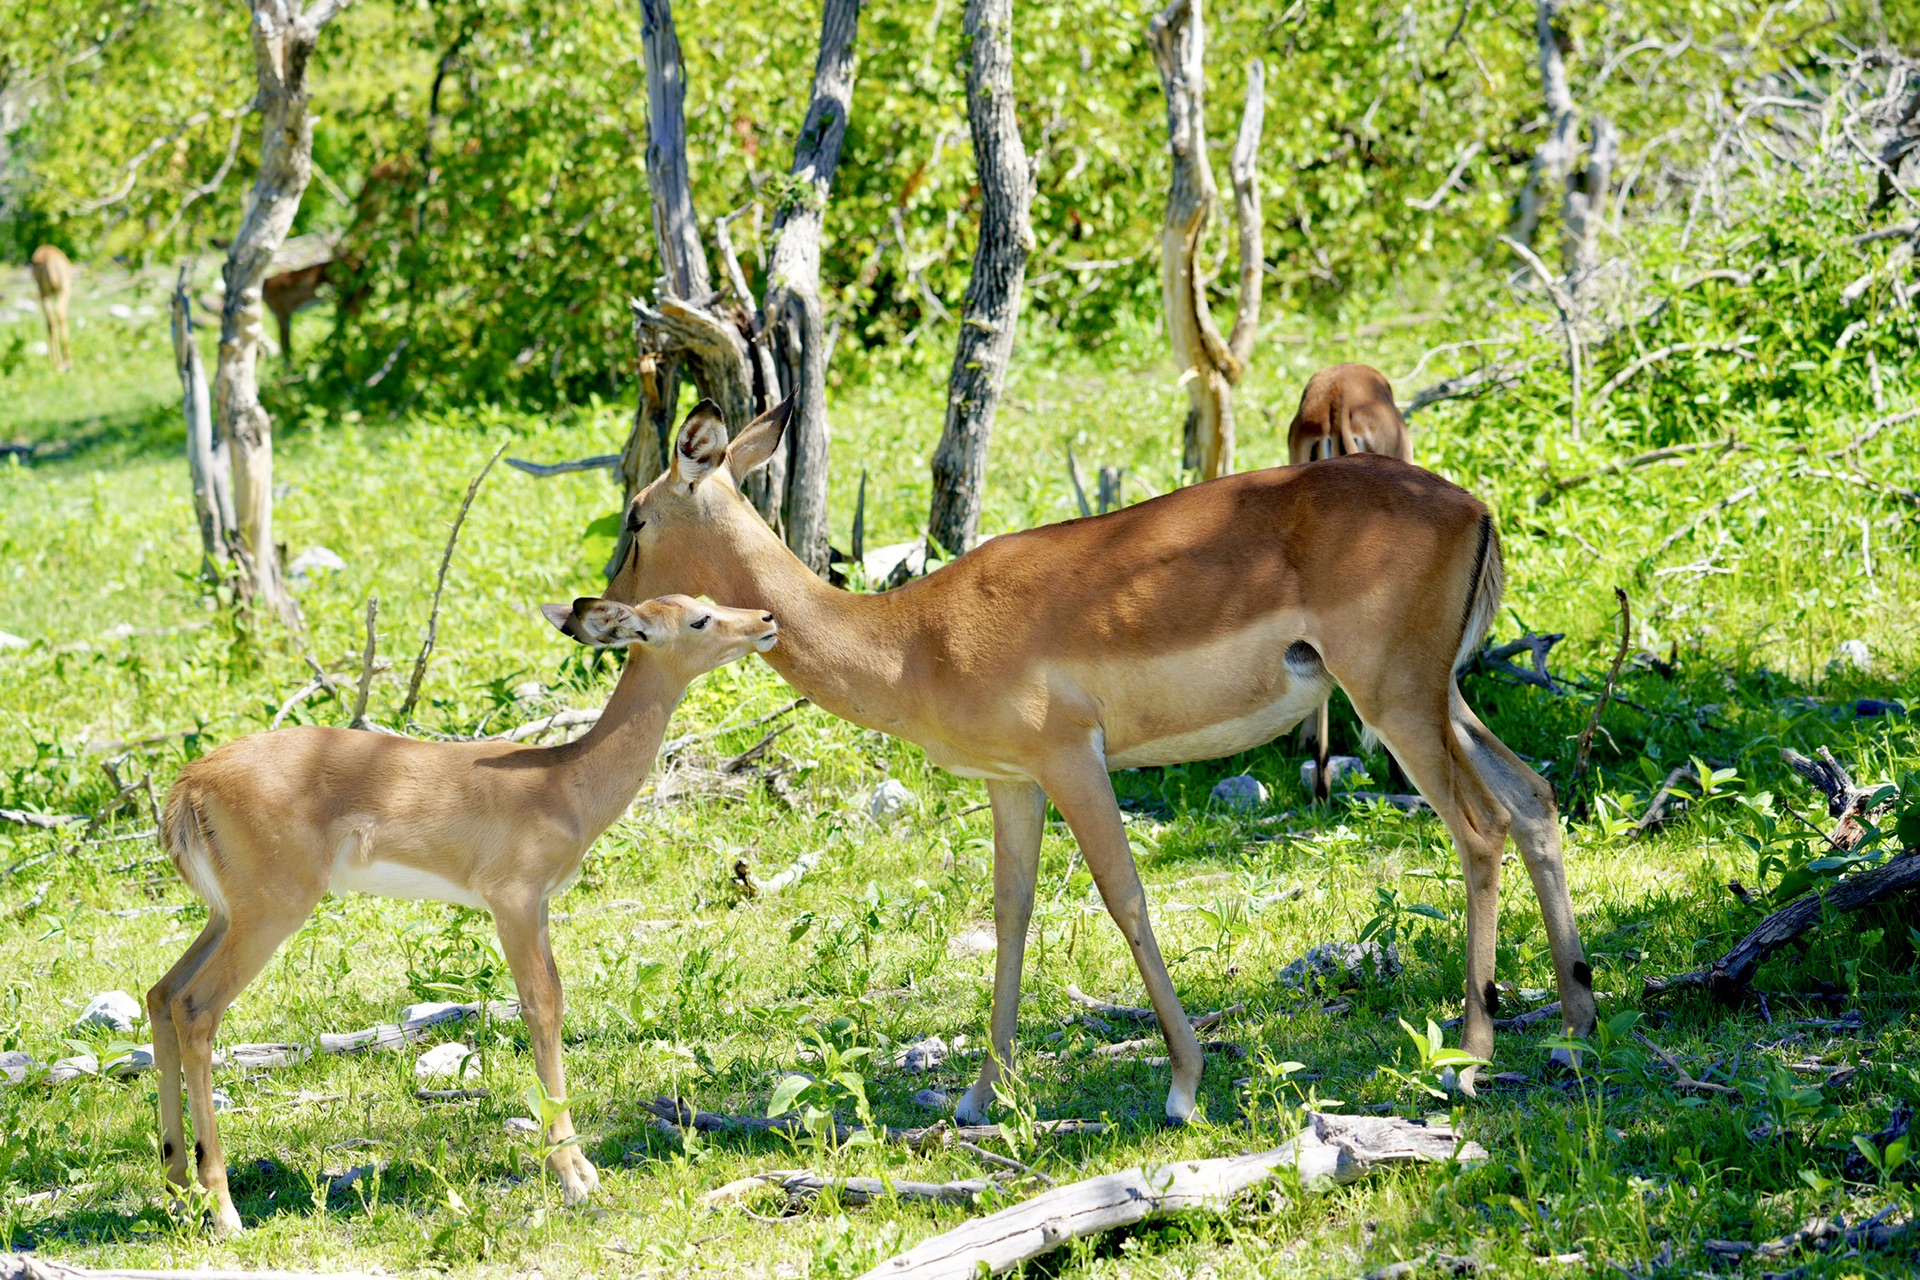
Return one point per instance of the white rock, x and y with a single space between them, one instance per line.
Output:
16 1066
1241 791
10 641
932 1100
922 1055
120 311
114 1010
1343 772
68 1068
444 1060
138 1059
889 800
1853 653
313 558
222 1100
1340 965
974 942
520 1126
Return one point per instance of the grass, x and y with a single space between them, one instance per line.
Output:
676 987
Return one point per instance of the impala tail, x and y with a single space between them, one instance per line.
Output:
189 847
1484 589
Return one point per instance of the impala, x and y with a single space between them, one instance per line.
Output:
53 278
1346 409
261 828
289 293
1194 625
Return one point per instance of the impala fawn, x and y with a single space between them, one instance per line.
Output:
1346 409
261 828
53 277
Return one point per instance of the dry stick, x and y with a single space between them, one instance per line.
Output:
359 719
1626 375
433 616
1864 482
1606 692
802 1185
1657 808
979 1152
683 1115
1564 305
1334 1150
33 1266
1683 1081
1731 499
599 462
1134 1013
1729 445
1079 490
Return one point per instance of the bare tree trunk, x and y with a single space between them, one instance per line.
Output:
283 41
792 319
206 452
1210 364
1584 195
1586 204
993 293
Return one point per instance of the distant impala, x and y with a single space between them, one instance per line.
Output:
1346 409
1194 625
53 279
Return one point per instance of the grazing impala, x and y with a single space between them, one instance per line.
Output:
1346 409
289 293
53 279
1191 626
261 829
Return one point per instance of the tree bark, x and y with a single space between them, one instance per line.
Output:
1210 364
206 451
283 42
792 313
992 310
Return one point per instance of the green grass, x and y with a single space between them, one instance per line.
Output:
676 987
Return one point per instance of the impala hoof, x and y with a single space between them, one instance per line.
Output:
226 1222
1180 1105
972 1107
1565 1060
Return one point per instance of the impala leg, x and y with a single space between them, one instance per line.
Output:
1443 771
1322 784
1019 821
1536 829
235 959
536 978
166 1050
1084 796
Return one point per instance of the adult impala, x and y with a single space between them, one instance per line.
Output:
261 829
53 280
1192 626
1346 409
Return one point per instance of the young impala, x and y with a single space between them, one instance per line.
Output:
1346 409
263 827
1192 626
53 279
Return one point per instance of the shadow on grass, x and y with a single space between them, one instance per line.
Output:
115 438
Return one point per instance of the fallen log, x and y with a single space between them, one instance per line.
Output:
801 1186
29 1266
683 1115
1333 1150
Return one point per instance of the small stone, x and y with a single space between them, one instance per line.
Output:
889 800
1343 773
444 1060
1341 966
932 1100
66 1069
137 1059
528 690
1853 653
922 1055
311 559
1242 791
111 1010
973 942
222 1100
521 1127
16 1066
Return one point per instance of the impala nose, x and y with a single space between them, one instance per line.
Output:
766 617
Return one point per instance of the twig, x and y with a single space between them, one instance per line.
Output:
1656 813
1730 500
1495 660
1432 202
687 740
802 1185
1079 489
359 718
1563 304
1606 692
1626 375
1682 1080
568 719
979 1152
433 615
1729 445
45 821
1134 1013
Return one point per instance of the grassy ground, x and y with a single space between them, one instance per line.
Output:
677 987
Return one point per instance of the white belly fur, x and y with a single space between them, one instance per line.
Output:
1255 729
396 879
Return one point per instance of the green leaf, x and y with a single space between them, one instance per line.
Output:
786 1094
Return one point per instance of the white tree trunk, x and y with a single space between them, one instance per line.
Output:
793 322
283 42
1210 365
993 293
206 451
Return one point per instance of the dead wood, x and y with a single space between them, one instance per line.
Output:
1877 1232
390 1036
1729 445
359 718
439 585
802 1186
1666 803
683 1115
1333 1150
1137 1013
1491 377
1606 693
599 462
568 719
1682 1080
45 821
1659 354
207 462
1496 660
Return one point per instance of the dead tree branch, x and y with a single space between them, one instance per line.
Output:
433 614
1606 693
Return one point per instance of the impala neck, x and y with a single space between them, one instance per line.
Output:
841 650
604 768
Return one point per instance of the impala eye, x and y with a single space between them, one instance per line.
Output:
700 624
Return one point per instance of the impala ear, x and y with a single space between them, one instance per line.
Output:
758 439
596 622
702 446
